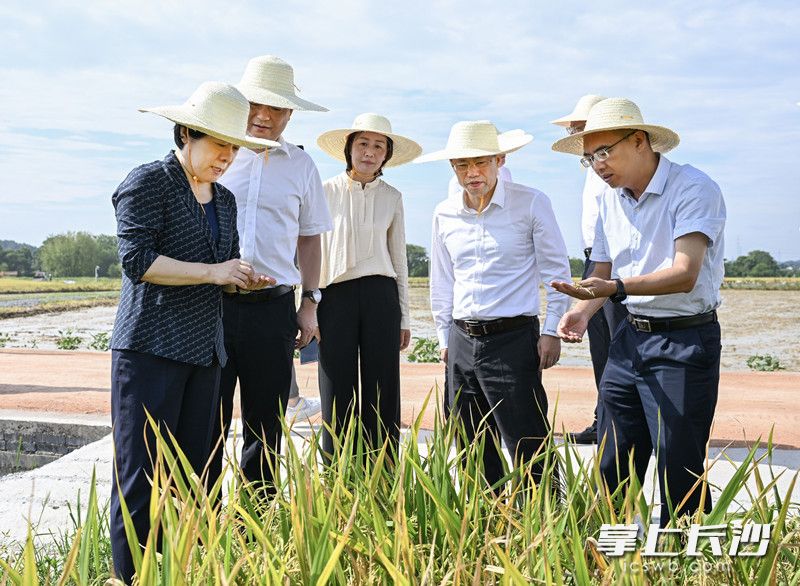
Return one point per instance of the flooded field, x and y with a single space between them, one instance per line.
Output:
753 322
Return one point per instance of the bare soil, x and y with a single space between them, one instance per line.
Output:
751 404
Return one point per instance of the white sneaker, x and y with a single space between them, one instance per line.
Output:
304 409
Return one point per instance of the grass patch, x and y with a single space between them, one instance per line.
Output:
418 282
425 518
25 285
57 306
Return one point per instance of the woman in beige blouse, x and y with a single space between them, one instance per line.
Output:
363 316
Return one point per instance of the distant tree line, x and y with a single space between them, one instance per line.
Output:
76 254
73 254
759 263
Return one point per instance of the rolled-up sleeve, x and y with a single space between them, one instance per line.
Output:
700 209
140 217
315 218
442 279
551 260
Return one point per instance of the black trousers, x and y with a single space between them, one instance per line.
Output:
359 323
259 340
659 390
496 377
601 326
182 398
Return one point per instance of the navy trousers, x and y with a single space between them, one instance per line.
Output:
259 340
659 391
601 325
359 323
182 398
497 377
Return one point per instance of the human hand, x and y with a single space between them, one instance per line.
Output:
591 288
307 324
572 326
405 339
549 348
232 272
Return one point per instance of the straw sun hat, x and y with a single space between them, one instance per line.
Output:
217 109
477 138
403 149
580 112
270 80
618 114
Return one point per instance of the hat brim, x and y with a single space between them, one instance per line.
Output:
567 120
662 139
508 142
404 150
179 115
259 95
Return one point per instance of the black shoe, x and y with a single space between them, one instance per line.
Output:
587 436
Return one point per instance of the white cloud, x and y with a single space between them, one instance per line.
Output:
723 75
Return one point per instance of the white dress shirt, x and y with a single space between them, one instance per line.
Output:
277 200
485 266
593 189
368 236
638 237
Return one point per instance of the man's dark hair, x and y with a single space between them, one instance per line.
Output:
348 149
195 134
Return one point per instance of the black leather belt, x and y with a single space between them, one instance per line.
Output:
665 324
261 294
483 328
587 252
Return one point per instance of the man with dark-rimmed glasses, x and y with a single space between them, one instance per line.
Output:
658 249
603 322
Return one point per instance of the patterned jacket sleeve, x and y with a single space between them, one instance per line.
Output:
138 203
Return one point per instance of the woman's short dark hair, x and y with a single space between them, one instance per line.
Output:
192 134
348 149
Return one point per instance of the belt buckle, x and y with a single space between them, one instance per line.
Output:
643 325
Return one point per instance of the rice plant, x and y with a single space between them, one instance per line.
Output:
366 515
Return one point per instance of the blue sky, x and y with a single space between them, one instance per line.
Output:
724 75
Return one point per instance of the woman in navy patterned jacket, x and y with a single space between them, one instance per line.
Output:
178 247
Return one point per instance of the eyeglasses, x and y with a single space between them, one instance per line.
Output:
464 165
602 154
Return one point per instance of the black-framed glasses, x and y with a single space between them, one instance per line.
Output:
603 153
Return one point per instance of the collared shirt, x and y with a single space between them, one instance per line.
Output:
593 189
638 237
368 236
277 200
486 266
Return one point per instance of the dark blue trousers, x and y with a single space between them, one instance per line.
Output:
182 398
659 391
599 330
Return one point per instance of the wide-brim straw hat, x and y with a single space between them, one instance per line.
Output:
217 109
269 80
477 138
580 112
618 114
404 149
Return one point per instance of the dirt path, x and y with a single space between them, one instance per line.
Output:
750 403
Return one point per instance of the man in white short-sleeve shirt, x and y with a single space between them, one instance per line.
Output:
281 212
658 249
604 322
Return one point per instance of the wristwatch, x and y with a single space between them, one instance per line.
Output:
315 295
620 295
